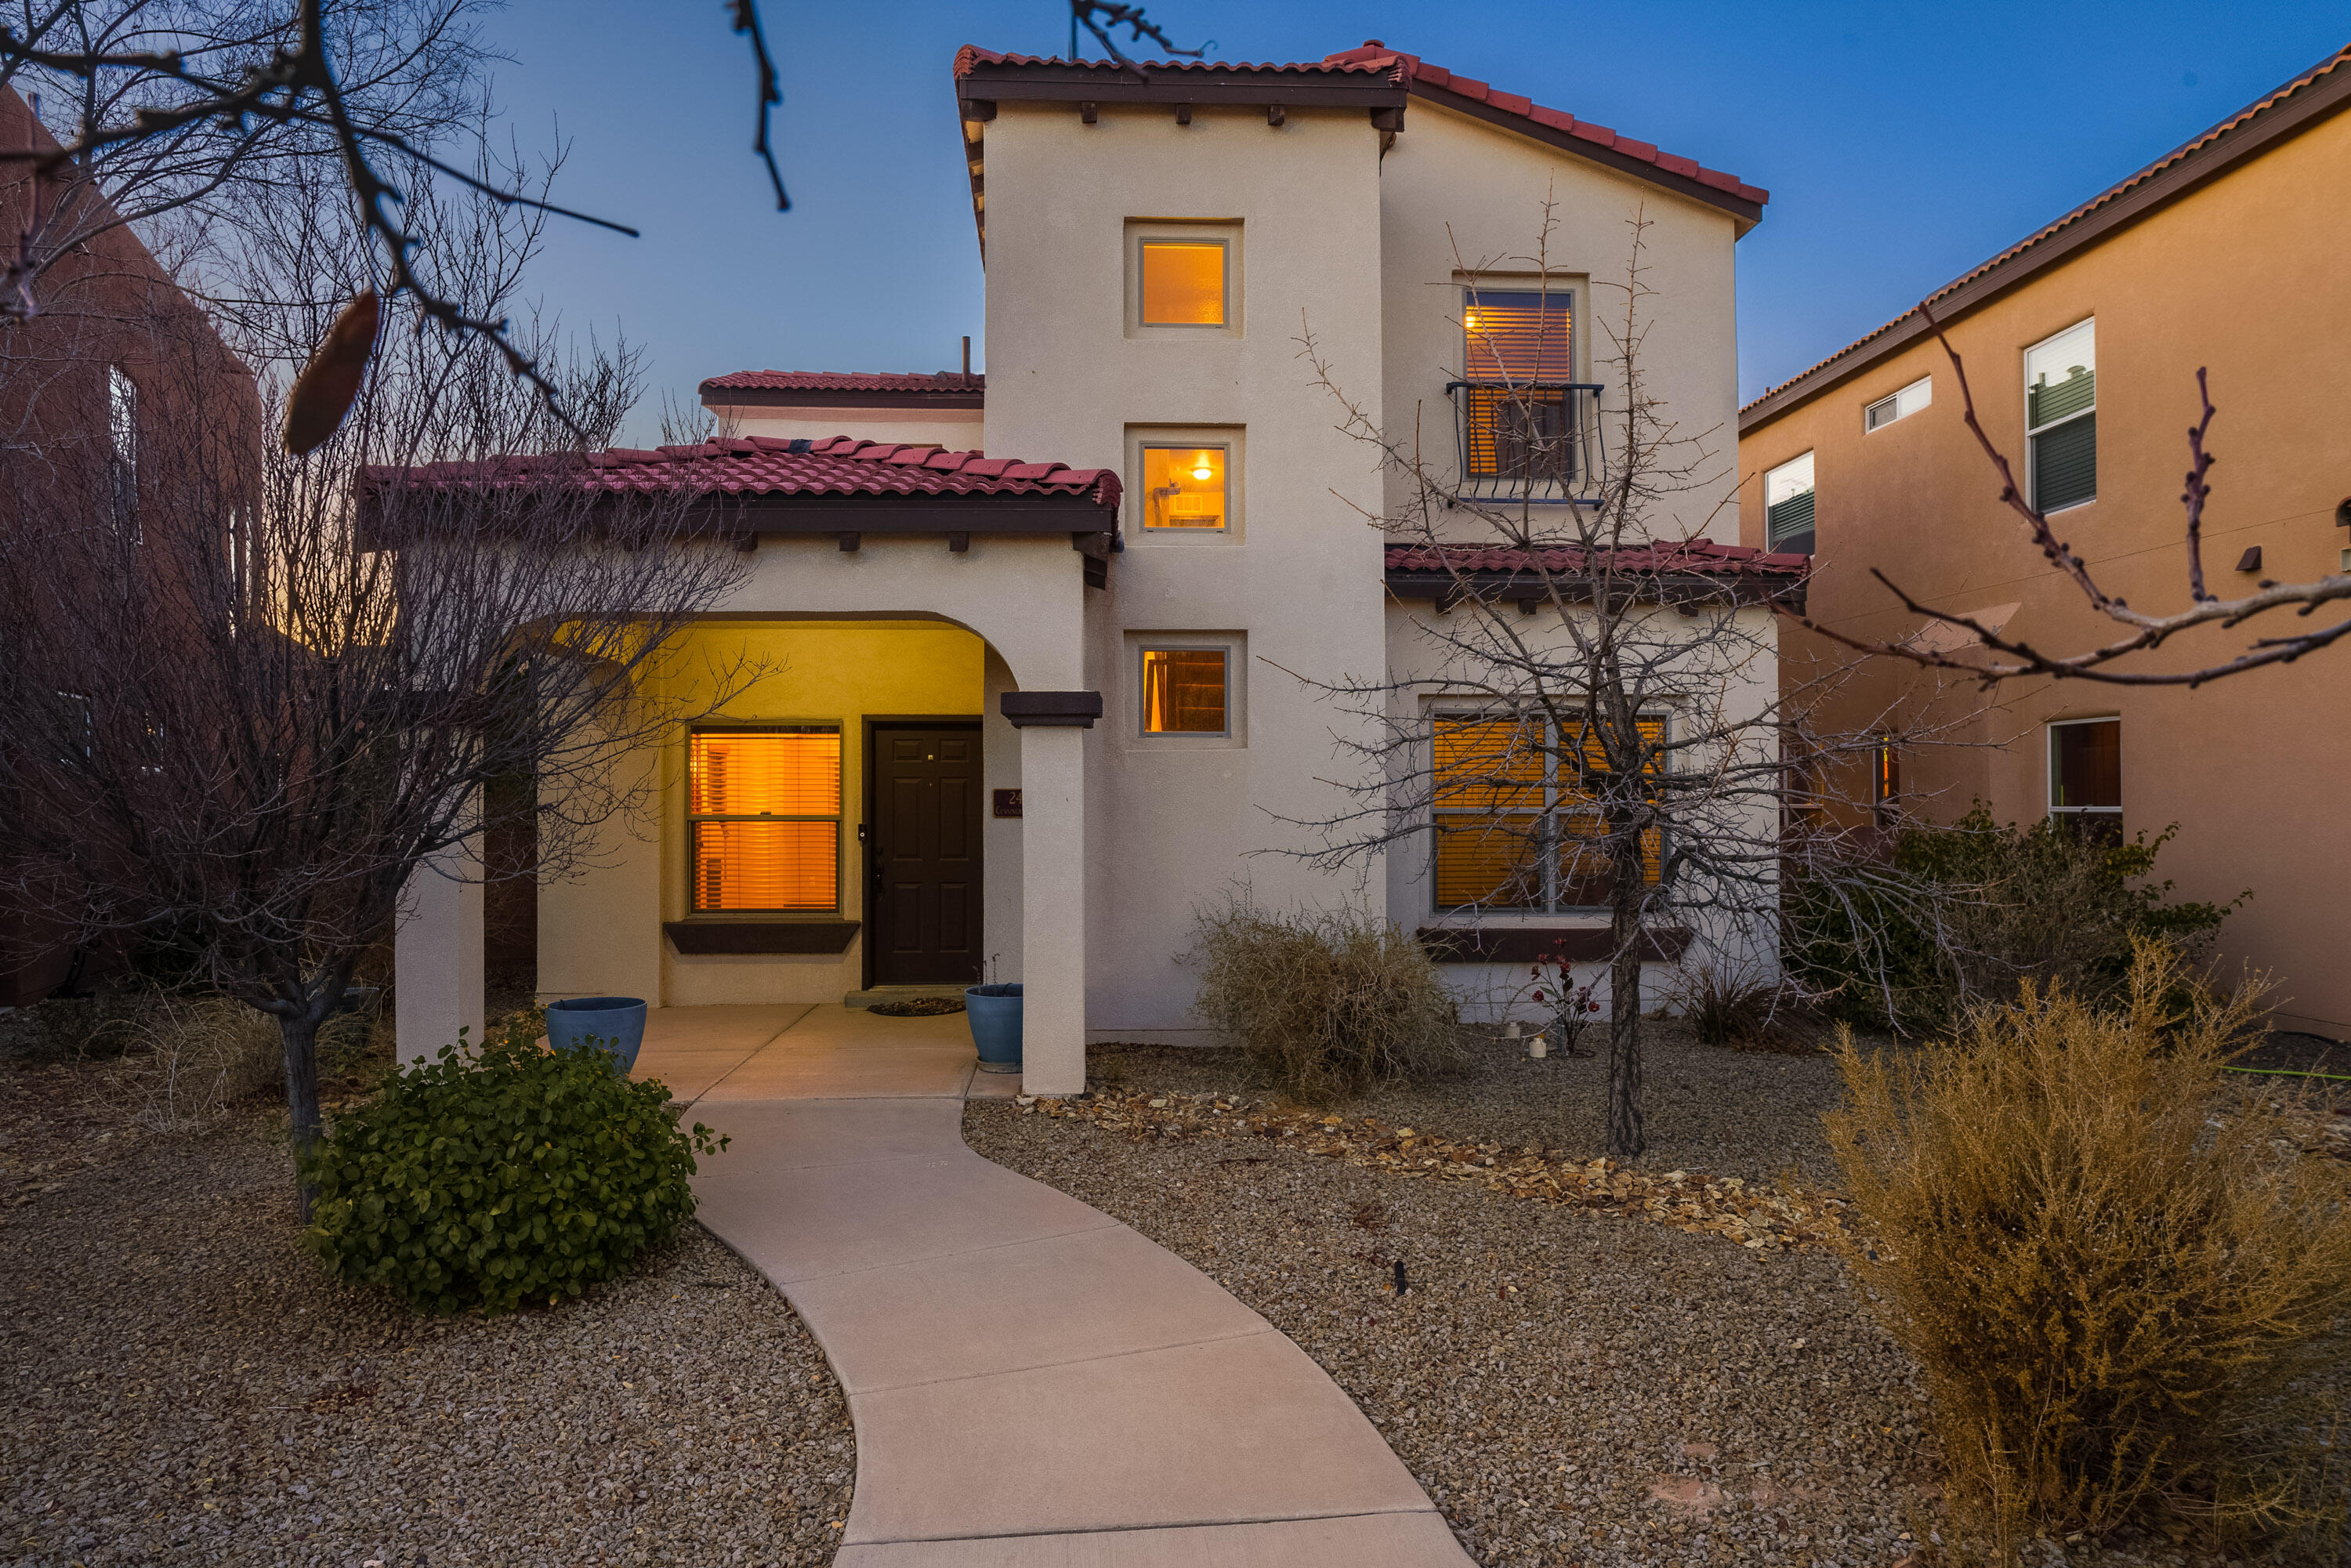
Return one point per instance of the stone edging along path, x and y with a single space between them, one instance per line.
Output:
1032 1382
1755 1215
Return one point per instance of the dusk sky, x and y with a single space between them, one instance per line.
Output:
1902 144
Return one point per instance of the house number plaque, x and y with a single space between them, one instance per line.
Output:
1007 803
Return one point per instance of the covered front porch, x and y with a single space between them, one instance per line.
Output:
897 798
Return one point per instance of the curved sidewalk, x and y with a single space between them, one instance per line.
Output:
1032 1382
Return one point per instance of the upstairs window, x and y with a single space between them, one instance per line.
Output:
122 451
1517 826
1788 506
2085 777
2060 417
1184 486
1518 336
1901 405
1183 282
764 819
1521 412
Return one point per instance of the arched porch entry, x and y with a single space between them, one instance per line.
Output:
973 624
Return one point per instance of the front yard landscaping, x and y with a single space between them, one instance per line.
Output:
1579 1371
181 1383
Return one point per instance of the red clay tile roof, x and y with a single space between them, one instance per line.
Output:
1696 557
1376 61
840 465
2196 147
845 381
1420 74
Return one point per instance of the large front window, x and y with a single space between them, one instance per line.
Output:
764 819
1518 821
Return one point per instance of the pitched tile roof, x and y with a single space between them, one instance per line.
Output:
1373 64
845 381
2026 255
1694 557
762 465
1418 74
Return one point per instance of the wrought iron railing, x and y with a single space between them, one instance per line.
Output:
1535 441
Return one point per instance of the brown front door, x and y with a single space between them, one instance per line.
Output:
924 919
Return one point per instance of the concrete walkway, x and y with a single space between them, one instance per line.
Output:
1032 1382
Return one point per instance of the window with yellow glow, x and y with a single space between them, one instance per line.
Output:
764 819
1184 487
1183 283
1515 819
1185 691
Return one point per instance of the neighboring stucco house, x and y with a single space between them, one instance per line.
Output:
2081 344
1031 715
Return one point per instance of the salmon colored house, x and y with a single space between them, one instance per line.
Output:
2082 343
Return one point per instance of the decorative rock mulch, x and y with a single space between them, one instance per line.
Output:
1754 1214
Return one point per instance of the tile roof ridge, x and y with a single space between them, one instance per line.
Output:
2195 144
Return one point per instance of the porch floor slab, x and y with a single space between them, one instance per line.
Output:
1032 1382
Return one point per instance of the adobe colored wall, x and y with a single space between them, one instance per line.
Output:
2245 276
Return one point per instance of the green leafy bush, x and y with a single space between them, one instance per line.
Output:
1968 913
1328 1002
491 1180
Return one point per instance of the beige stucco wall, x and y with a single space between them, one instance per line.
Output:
2244 276
1459 199
1176 821
957 429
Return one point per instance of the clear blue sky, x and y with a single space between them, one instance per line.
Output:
1901 143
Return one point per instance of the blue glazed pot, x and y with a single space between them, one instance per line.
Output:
614 1025
995 1015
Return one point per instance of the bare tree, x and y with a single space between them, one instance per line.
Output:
248 695
1594 721
2005 657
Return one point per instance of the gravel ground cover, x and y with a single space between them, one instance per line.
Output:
1572 1386
179 1385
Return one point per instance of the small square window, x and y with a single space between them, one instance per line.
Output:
1901 405
1185 691
1183 283
1184 487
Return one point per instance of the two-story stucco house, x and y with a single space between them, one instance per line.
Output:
1034 707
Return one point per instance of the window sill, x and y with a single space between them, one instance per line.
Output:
702 935
1579 943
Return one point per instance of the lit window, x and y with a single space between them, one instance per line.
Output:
1788 506
1185 691
2086 777
1901 405
1517 824
1184 487
1183 283
2060 417
1518 336
1886 781
1517 396
764 816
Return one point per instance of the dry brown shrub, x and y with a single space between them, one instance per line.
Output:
2125 1304
1328 1002
188 1061
1733 1007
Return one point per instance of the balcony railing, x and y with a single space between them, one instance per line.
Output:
1532 441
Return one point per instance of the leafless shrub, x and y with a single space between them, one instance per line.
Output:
1725 1004
2124 1308
1329 1002
190 1062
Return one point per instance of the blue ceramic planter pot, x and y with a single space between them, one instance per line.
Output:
614 1025
995 1015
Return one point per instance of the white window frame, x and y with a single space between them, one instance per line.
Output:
1811 486
2033 430
1895 403
2049 767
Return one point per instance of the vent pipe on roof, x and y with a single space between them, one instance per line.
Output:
966 353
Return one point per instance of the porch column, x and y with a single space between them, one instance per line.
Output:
1053 727
436 950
